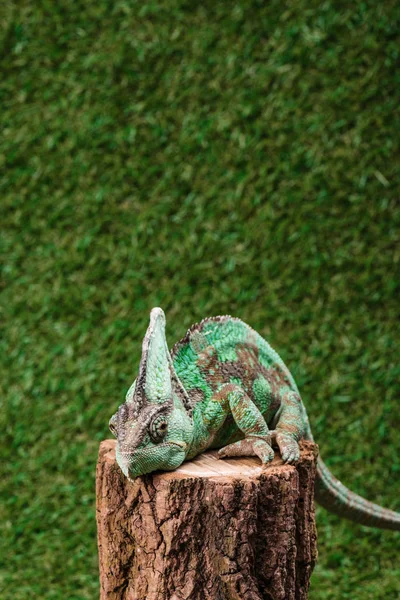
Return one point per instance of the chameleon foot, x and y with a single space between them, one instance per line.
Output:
288 446
249 447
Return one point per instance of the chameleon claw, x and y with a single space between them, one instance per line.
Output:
249 447
291 459
288 447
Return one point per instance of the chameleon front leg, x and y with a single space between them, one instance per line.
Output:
290 427
257 441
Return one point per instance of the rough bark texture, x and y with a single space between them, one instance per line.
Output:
212 530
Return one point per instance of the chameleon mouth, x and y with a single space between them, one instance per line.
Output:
142 461
181 445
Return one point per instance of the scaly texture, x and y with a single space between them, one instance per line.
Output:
222 386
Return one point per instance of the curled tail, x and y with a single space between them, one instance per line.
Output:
335 497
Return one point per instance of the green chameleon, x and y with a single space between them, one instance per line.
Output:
222 386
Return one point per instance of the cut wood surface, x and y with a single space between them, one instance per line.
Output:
211 530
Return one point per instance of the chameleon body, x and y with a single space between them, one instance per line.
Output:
223 387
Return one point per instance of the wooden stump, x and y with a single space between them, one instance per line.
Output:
211 530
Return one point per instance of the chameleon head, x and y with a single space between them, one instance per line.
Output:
153 427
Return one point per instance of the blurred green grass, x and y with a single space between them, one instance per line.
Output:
210 158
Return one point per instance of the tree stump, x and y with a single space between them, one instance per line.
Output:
211 530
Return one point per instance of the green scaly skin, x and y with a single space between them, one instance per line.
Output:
222 386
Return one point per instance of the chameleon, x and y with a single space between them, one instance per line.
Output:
222 387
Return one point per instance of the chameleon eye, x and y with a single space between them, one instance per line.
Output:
113 425
158 429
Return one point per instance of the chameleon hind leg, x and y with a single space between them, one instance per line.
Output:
257 441
290 427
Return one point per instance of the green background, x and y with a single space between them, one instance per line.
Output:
215 157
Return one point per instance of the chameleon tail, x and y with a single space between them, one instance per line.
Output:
335 497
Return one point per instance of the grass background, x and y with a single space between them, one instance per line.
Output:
209 158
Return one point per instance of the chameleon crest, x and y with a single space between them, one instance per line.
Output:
223 387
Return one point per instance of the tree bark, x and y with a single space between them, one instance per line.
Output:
211 530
